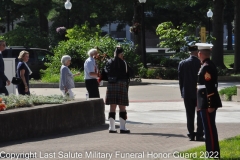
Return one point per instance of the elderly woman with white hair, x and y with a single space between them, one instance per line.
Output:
91 74
66 77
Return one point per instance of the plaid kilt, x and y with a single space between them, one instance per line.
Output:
117 93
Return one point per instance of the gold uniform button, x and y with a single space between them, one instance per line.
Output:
202 92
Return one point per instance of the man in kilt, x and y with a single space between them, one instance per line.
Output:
117 90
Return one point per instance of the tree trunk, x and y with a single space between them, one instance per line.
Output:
217 52
137 19
229 40
43 22
237 37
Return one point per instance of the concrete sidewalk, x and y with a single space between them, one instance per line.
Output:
156 118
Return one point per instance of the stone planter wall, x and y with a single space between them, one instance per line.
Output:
45 119
237 97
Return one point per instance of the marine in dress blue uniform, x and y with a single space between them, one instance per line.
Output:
208 99
188 75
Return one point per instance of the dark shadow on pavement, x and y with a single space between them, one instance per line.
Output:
168 135
57 135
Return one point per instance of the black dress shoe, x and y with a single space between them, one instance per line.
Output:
125 131
191 137
111 131
200 139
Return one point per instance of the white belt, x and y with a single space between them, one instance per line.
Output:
201 86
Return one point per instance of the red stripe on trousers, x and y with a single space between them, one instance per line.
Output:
210 129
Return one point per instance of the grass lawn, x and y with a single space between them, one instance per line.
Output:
229 148
228 59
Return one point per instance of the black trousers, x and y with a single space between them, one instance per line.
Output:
4 90
190 105
92 88
211 134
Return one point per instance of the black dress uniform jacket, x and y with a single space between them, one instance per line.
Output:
207 93
187 75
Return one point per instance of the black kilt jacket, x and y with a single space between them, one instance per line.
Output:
207 87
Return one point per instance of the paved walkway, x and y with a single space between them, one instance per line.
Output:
156 118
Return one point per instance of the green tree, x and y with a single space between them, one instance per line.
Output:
41 9
28 37
175 37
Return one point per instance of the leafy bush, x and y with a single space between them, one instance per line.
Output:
154 59
80 40
167 73
15 101
54 78
222 71
151 73
163 73
142 72
181 55
169 62
229 92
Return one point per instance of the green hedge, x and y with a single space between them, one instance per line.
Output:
229 92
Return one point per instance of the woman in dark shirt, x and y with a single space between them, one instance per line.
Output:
117 92
23 72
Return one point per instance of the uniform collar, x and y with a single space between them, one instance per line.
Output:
207 59
193 56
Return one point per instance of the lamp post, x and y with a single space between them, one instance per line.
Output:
209 15
68 6
143 34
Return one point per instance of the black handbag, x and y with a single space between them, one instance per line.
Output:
16 80
112 79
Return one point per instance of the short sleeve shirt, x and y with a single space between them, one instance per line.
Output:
89 66
22 66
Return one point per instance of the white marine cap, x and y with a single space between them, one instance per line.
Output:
203 46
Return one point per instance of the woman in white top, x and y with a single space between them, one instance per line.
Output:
66 77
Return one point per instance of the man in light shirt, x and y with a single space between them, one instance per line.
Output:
91 74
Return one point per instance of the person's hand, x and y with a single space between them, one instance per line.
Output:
66 90
26 89
77 74
197 109
210 110
8 82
